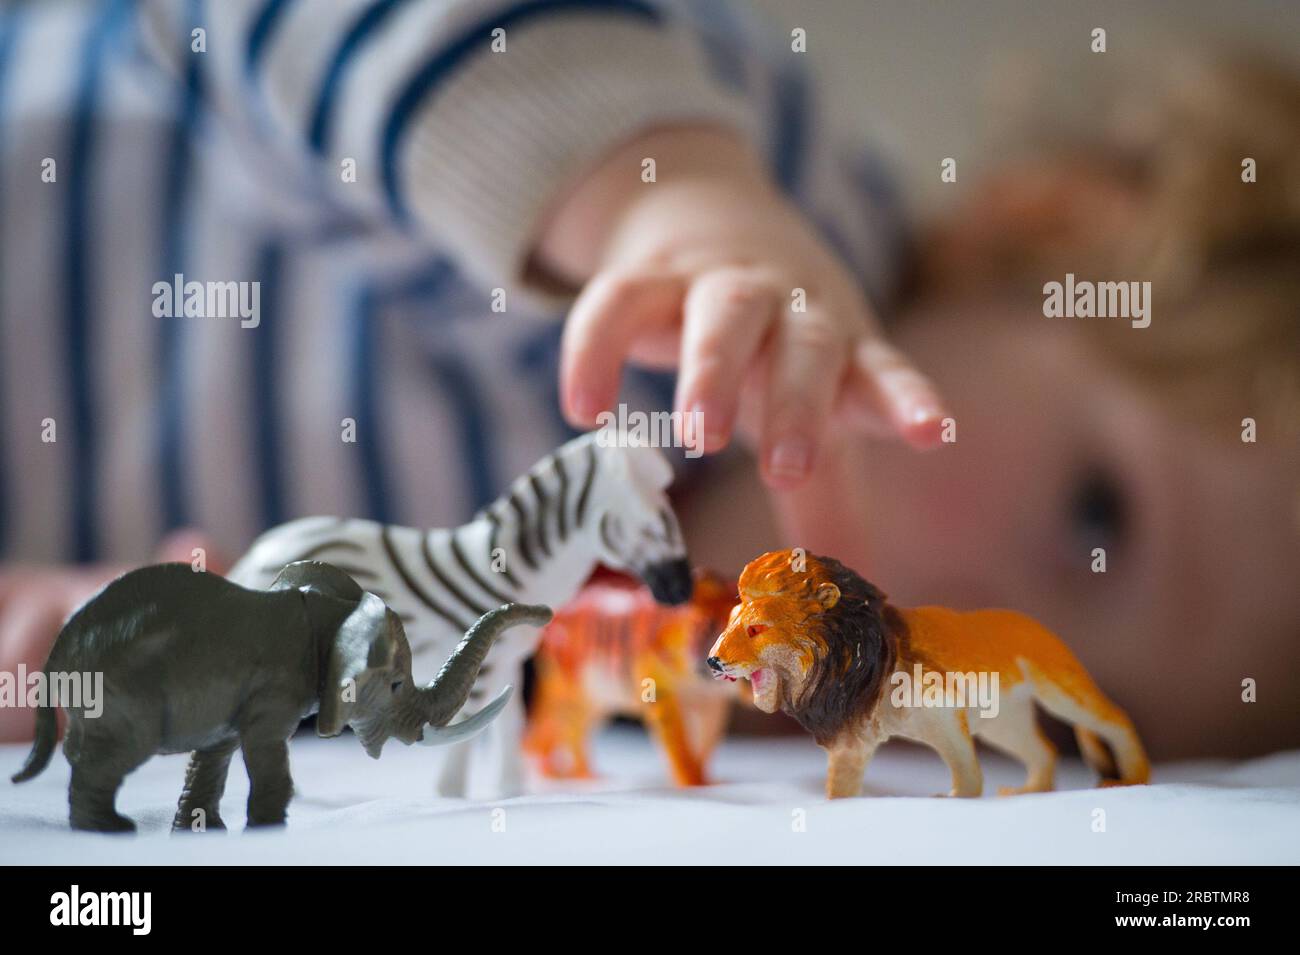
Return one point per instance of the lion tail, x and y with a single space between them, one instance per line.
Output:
1107 738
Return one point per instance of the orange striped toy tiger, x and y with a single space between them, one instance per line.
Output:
614 651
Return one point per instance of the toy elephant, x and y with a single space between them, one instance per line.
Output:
193 662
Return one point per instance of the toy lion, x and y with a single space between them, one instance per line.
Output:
817 641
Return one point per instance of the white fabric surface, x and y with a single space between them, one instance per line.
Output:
350 809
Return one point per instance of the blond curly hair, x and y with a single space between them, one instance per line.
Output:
1161 191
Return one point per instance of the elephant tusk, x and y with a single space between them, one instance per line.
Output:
456 732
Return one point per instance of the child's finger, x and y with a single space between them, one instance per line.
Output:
657 349
808 363
609 314
883 384
726 316
857 415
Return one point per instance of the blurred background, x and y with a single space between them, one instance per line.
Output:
937 79
1066 442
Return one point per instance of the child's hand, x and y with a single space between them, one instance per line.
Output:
35 601
698 270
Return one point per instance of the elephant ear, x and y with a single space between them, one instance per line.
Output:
365 640
318 577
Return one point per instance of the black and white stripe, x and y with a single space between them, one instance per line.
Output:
442 580
537 543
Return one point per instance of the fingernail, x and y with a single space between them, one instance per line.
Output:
923 426
790 458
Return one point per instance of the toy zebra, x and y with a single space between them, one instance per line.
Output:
614 651
593 501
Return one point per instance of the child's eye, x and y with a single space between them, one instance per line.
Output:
1099 510
756 628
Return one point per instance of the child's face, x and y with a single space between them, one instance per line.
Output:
1057 454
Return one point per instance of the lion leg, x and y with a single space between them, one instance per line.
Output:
950 736
846 761
1088 708
1094 752
1015 731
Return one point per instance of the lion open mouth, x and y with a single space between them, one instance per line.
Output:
766 685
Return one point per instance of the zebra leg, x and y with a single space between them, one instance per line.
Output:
508 730
453 777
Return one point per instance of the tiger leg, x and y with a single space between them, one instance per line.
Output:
586 719
709 713
667 725
559 726
568 757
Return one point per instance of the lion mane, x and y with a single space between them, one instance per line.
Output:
855 642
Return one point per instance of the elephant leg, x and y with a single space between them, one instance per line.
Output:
99 764
92 797
453 777
199 808
508 730
72 737
270 786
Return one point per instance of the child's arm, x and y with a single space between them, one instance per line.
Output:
458 121
506 128
512 135
35 600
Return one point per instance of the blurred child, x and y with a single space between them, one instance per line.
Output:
1171 452
417 196
267 258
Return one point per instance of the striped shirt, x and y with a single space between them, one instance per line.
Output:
367 174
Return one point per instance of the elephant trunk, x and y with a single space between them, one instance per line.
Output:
442 699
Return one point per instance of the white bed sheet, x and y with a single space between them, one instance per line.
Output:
767 808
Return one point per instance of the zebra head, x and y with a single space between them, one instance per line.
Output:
635 527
